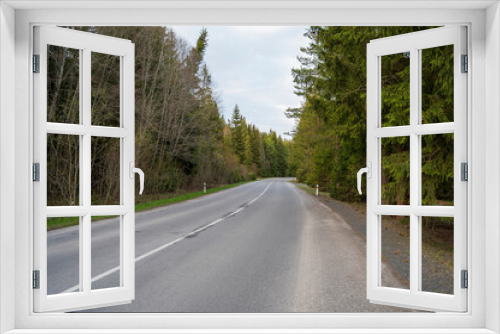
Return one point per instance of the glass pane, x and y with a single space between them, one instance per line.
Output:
63 85
105 171
63 255
395 90
63 170
437 169
105 89
395 261
437 254
437 84
105 252
395 170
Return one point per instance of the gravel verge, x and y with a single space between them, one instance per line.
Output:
437 262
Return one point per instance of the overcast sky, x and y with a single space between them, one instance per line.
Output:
251 66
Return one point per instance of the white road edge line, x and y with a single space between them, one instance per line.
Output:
171 243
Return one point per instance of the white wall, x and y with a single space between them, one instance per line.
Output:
492 149
7 162
488 95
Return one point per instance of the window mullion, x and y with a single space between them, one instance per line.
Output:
86 165
81 242
414 170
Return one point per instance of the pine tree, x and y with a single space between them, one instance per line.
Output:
256 147
248 147
238 134
330 143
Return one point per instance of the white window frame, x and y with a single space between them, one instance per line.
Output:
483 211
414 43
86 43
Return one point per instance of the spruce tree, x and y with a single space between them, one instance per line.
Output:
238 134
330 143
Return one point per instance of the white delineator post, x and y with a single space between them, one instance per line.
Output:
205 187
317 190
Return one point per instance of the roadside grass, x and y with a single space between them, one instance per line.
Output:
184 197
310 190
60 222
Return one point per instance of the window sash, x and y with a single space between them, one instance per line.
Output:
413 298
86 297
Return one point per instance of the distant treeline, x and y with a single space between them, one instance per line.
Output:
329 145
182 139
265 154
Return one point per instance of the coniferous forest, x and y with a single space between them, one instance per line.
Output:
329 145
182 138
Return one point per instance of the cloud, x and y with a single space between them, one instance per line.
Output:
251 66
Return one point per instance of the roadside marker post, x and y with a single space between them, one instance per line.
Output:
317 190
205 187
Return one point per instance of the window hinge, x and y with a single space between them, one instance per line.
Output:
36 279
465 279
36 63
465 63
464 171
36 172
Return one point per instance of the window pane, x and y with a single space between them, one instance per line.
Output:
105 89
395 261
105 171
395 90
63 85
105 251
437 254
437 169
395 170
63 255
437 84
63 170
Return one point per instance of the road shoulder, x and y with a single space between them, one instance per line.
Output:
344 269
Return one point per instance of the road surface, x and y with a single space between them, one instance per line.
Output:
265 246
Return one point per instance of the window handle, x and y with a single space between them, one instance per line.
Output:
368 171
141 175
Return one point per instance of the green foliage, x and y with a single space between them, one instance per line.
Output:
329 145
201 44
59 222
182 140
239 134
263 154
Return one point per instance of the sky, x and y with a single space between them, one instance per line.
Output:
251 66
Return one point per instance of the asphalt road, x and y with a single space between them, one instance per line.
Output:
265 246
